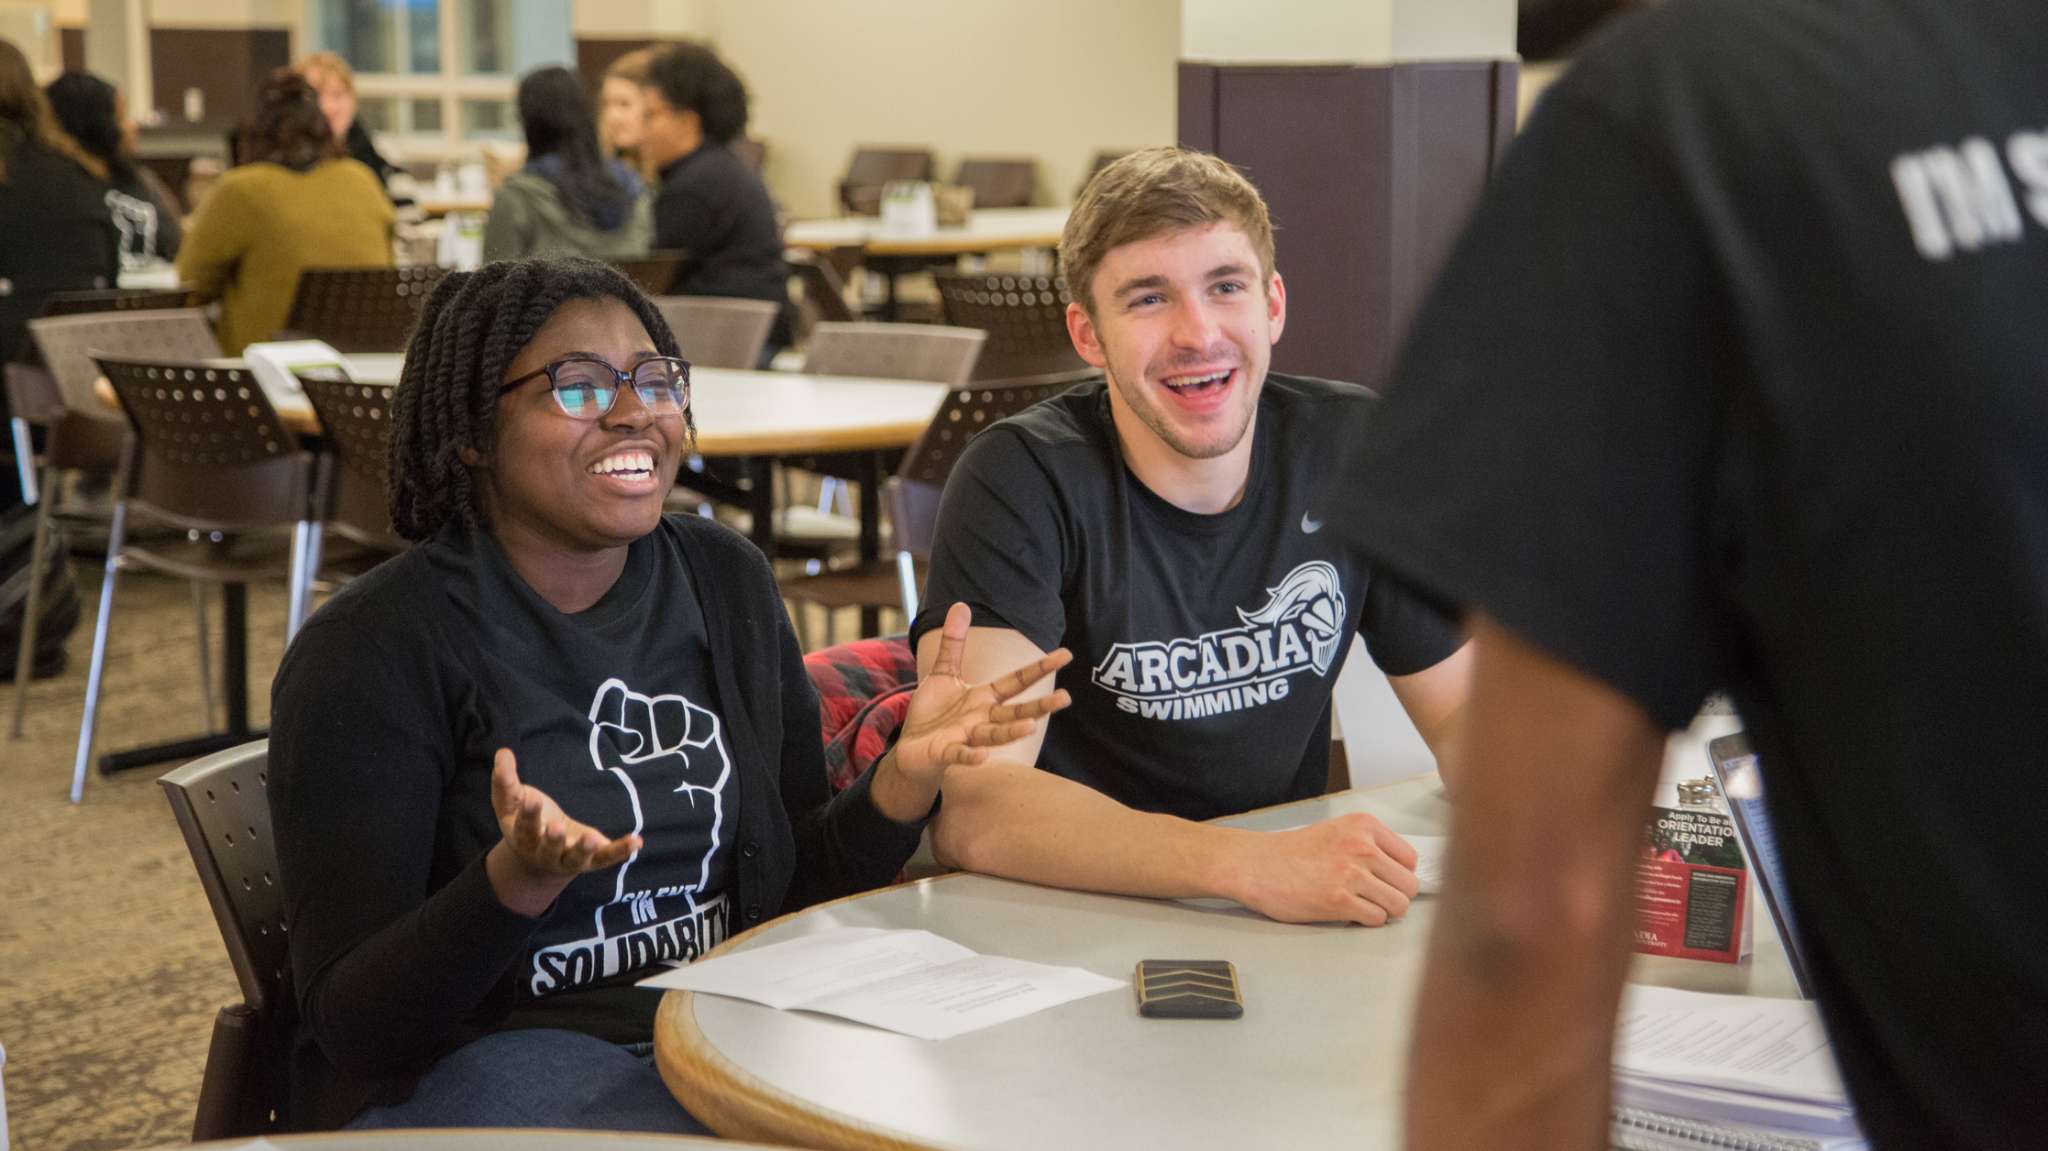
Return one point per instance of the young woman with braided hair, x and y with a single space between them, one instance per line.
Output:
563 741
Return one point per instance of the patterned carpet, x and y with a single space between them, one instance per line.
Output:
111 968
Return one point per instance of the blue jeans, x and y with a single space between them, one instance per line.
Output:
549 1079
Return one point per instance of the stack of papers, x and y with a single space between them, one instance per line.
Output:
1730 1067
910 982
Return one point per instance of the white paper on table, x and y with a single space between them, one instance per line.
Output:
1429 861
911 982
1742 1042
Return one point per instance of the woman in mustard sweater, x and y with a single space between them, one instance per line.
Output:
300 204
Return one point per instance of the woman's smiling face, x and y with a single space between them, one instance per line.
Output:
582 484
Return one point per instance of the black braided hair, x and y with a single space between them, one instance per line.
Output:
470 329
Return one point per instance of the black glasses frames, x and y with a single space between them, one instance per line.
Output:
586 387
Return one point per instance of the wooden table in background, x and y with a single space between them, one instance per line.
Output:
886 255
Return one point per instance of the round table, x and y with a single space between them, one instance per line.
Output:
480 1139
1317 1060
987 230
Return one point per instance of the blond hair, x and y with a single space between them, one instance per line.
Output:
326 64
632 66
1151 192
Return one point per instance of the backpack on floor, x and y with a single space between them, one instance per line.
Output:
60 609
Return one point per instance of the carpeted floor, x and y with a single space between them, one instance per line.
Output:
111 968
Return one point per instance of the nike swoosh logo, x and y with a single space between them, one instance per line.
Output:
1310 525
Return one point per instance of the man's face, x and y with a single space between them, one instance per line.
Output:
668 133
1184 328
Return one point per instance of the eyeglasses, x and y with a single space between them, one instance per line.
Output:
586 387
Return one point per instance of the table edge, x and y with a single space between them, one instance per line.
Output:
745 1106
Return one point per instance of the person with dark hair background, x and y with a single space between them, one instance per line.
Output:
95 113
568 200
709 205
55 234
564 742
298 204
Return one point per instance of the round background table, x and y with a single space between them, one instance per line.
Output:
1317 1060
476 1139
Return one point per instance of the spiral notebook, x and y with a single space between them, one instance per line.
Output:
1742 1073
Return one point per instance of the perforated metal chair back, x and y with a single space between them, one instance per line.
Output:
214 454
361 309
68 344
933 352
1025 317
860 190
966 411
114 300
223 809
356 422
717 332
999 183
655 272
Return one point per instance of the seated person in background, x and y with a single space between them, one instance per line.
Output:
55 232
568 200
709 205
1166 525
335 81
622 108
564 742
298 204
96 115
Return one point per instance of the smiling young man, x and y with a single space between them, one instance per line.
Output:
1166 524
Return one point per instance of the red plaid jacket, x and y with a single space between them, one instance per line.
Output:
864 690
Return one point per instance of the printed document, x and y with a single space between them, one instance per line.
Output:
910 982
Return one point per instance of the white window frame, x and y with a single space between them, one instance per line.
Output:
450 87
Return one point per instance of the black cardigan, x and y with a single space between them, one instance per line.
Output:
376 1006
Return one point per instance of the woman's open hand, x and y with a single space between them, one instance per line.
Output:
952 721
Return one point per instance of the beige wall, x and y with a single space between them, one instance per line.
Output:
1053 79
226 13
1347 31
627 19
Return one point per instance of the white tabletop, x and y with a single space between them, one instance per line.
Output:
476 1139
770 413
987 229
1317 1060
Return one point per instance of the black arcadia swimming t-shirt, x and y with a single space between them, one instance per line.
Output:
1739 378
1205 646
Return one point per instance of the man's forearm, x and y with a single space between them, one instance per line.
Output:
1516 1017
1017 821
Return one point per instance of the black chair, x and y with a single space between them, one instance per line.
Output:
860 189
223 810
349 488
114 300
1025 317
361 309
912 497
999 183
654 272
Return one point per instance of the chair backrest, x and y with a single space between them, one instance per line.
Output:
1025 317
32 393
223 808
68 344
824 288
717 331
931 352
356 422
213 453
913 492
655 272
753 152
999 183
114 300
860 190
361 309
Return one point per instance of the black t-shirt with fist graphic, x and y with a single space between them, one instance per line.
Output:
675 707
1205 646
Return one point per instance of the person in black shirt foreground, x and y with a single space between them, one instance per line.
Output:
1174 527
562 742
708 205
1739 378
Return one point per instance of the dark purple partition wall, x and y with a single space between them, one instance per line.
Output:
1369 172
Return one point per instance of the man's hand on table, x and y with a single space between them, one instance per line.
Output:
1350 868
